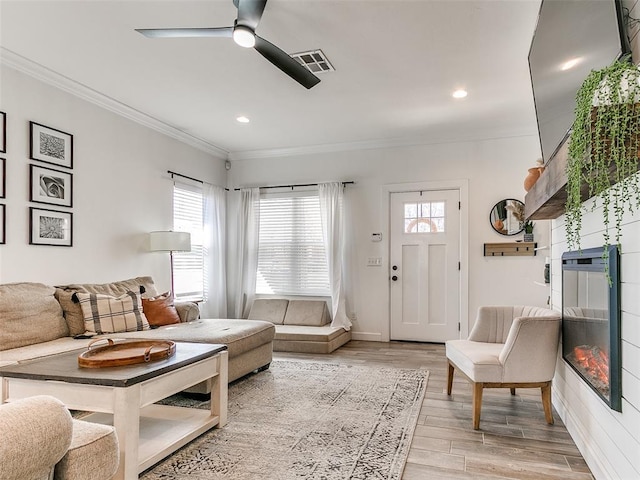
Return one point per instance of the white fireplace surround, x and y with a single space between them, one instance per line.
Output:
608 440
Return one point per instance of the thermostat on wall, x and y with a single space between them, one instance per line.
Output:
376 237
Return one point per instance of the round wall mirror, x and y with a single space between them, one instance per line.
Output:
507 216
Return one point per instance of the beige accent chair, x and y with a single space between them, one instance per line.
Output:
508 347
40 441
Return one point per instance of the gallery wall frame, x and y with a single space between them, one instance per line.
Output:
50 227
50 145
3 224
3 178
3 132
47 185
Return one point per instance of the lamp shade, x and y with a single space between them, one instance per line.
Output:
168 241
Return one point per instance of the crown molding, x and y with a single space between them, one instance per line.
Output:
46 75
372 144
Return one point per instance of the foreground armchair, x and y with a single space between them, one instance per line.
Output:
508 347
40 441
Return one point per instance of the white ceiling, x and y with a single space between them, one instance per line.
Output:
397 63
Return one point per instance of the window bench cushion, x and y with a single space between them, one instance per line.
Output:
307 312
301 325
306 339
269 309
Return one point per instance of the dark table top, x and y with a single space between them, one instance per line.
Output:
64 367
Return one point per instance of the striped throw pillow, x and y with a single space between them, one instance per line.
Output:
107 314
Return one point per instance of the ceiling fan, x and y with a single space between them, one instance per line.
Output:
243 33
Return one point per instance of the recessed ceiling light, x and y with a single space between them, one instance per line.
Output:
242 119
570 63
459 94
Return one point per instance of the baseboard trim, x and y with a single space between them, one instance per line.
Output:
366 336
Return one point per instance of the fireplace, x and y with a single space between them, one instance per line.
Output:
591 342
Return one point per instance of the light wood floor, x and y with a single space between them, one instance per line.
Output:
514 441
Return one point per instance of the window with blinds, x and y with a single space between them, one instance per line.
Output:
291 253
188 267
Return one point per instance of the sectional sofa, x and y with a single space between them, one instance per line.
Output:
38 320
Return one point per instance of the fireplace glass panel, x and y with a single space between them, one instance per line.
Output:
590 326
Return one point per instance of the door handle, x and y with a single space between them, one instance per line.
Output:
394 278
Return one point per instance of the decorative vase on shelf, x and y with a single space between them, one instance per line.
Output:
534 175
528 237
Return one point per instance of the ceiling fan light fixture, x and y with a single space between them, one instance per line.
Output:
244 36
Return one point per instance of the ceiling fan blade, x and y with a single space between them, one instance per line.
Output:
186 32
250 12
284 62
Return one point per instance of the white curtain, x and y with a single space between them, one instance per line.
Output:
332 209
214 248
247 261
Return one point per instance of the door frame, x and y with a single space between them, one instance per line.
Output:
462 186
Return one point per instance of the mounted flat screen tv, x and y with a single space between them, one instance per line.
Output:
572 37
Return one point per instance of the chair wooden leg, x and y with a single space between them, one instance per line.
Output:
450 378
546 402
477 404
513 391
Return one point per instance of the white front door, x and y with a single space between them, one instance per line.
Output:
425 265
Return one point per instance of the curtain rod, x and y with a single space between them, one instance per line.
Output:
188 178
297 185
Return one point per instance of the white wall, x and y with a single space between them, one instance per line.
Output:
495 170
608 440
120 188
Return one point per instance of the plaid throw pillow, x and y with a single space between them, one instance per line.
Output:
107 314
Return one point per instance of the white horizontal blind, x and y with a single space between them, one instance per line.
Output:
188 267
291 253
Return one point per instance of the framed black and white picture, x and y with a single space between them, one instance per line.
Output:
3 178
3 132
50 145
50 227
50 186
3 224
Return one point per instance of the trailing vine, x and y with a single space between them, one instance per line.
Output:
605 136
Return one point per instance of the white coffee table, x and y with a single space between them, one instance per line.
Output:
125 397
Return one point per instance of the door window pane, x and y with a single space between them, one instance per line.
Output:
424 217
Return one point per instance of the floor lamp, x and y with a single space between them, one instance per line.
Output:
168 241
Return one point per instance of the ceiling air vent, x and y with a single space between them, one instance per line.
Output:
315 61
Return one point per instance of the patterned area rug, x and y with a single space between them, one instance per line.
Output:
304 420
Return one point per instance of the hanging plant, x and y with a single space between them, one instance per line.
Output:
604 138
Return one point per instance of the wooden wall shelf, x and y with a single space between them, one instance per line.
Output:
510 249
547 198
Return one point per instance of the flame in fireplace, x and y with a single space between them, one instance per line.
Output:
594 361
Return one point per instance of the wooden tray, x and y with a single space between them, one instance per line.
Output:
125 353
